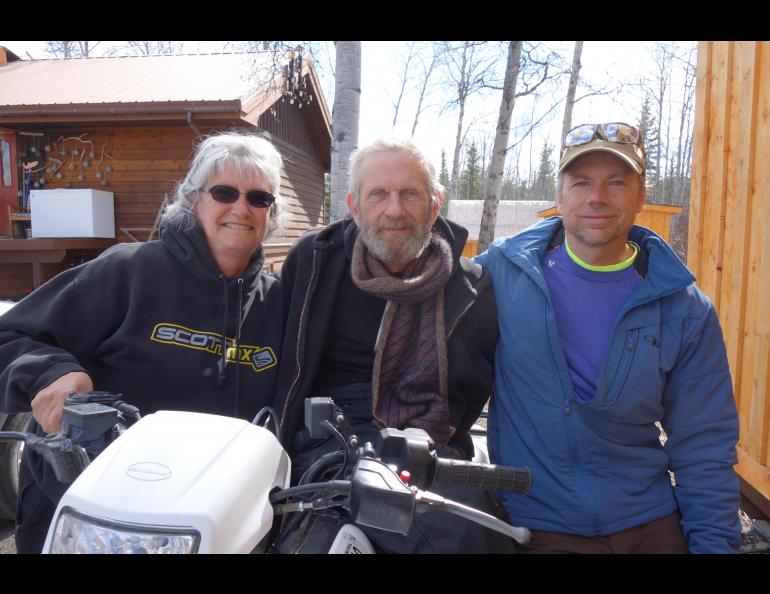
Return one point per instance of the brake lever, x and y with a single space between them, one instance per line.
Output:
427 502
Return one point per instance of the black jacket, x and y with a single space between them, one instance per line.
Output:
146 320
310 276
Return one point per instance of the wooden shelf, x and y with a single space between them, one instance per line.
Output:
39 253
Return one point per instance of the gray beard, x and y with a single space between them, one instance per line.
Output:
406 251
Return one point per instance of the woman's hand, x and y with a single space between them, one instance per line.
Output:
48 403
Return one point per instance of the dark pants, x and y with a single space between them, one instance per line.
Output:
436 532
663 536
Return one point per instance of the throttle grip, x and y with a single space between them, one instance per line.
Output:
483 476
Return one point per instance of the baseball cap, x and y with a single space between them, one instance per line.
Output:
620 139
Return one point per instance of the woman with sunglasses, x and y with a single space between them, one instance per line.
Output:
188 322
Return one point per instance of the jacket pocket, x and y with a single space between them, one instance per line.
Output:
622 369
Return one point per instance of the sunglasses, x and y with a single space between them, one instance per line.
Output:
618 132
229 194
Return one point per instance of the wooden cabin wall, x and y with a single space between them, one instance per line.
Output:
729 232
148 161
303 190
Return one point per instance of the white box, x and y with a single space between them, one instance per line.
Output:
72 213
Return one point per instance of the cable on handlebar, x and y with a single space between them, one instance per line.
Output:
271 416
129 411
325 462
333 487
340 438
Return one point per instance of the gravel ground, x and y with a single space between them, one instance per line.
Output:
7 547
6 538
753 542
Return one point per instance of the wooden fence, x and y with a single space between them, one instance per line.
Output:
729 232
653 216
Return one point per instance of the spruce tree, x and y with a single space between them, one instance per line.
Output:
545 183
443 176
650 131
472 187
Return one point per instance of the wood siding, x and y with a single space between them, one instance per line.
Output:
146 163
285 120
729 233
302 188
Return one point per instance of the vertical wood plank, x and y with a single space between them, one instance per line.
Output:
729 241
755 411
714 208
737 228
701 132
660 221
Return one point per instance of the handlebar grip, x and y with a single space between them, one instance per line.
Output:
67 459
483 476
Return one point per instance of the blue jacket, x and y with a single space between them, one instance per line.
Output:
598 466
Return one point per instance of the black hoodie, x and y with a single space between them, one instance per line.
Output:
146 320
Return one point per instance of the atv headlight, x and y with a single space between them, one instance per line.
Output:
78 533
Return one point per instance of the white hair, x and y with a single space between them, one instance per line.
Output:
404 146
244 153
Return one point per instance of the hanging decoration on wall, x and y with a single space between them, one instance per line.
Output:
79 151
53 169
296 91
99 175
67 161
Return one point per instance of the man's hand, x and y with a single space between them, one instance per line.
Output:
48 403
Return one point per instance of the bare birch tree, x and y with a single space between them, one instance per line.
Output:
428 68
345 115
469 68
682 170
574 77
662 57
406 76
500 150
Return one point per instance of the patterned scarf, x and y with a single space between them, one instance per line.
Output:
409 379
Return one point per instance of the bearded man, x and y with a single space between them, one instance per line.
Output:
387 318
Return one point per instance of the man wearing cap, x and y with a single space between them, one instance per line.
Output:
603 334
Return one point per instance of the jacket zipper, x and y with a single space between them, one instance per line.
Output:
310 286
457 320
460 316
624 365
573 442
578 470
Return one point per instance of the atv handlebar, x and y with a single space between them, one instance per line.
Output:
483 476
90 421
386 485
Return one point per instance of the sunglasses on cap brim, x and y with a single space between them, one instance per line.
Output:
618 132
229 194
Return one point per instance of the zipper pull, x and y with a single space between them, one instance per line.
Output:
566 407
